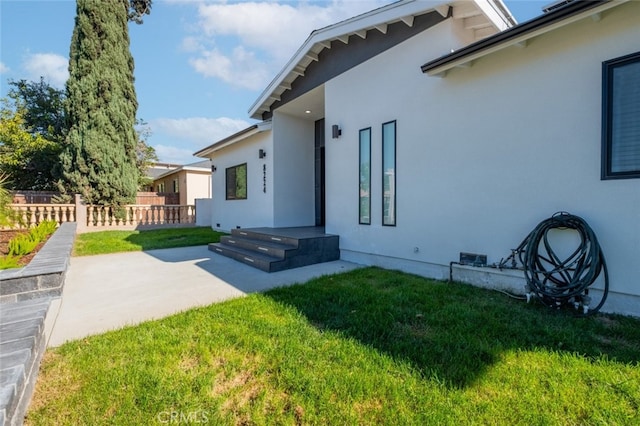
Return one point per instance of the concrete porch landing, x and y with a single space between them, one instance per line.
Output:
278 249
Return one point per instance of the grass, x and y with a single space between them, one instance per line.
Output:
105 242
366 347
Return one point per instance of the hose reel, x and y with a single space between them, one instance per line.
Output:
558 281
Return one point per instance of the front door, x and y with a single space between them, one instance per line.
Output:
319 172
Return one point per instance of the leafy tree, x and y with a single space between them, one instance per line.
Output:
145 154
99 160
42 107
137 9
32 128
27 159
7 214
37 109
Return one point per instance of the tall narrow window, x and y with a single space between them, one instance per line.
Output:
389 173
236 182
365 177
620 117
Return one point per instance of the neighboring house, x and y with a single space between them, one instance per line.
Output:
424 129
155 170
191 181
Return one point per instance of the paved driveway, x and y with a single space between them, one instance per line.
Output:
106 292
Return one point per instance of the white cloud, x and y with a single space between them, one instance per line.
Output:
53 67
240 69
276 28
3 67
171 154
198 132
262 35
191 44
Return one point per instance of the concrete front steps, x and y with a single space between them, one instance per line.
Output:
277 249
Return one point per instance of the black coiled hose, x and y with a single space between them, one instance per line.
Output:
557 282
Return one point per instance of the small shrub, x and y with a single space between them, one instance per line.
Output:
119 213
9 262
43 230
8 216
21 245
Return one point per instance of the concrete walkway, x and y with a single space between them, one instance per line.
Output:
107 292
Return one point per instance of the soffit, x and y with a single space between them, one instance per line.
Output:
233 139
520 35
482 17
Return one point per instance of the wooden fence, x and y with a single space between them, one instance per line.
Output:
33 197
46 197
158 198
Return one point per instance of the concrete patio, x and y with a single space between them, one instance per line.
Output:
107 292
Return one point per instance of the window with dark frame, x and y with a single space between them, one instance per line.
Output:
364 196
389 174
621 117
236 182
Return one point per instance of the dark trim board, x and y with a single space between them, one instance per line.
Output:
549 18
342 57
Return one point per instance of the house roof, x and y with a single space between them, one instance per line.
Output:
157 169
520 35
236 137
198 166
202 164
483 17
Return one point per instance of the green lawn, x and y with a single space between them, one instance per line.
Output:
120 241
365 347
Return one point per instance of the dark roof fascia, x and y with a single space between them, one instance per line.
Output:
185 168
546 19
227 139
202 164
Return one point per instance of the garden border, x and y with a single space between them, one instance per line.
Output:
44 275
27 297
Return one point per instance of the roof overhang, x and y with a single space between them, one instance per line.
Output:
519 35
235 138
185 169
483 17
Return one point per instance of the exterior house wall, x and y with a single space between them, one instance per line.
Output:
197 185
486 153
191 185
294 196
257 209
166 184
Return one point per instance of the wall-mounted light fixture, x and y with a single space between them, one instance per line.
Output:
262 153
213 168
335 131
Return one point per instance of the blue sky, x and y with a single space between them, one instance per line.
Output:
199 64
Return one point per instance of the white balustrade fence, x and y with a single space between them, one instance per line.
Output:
137 214
94 218
30 215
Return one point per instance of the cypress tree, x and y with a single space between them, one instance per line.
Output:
99 157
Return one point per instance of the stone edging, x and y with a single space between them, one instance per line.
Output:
44 275
25 301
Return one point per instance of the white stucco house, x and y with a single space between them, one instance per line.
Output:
424 129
